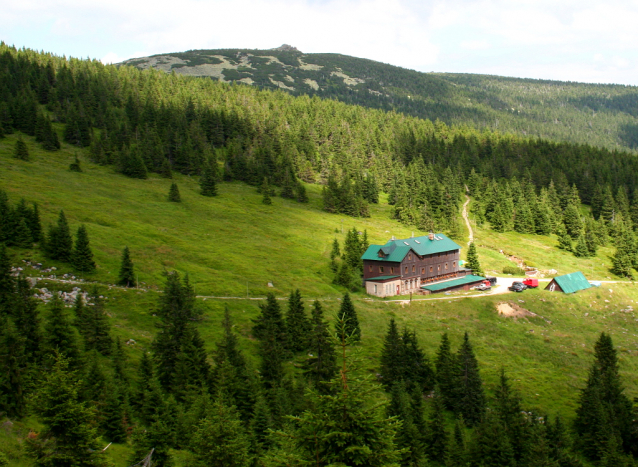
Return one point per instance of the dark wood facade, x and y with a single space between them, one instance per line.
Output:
427 268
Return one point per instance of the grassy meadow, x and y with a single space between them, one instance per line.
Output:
233 245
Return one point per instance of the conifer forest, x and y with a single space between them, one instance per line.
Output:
300 382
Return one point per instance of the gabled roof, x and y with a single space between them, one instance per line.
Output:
570 283
395 250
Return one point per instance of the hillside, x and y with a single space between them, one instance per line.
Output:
596 114
162 368
233 240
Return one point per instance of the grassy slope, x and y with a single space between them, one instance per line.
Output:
223 242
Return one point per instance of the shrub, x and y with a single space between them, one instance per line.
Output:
514 270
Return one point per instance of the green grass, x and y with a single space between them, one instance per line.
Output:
227 242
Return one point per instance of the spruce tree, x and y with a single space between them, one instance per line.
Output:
208 182
457 453
114 414
320 366
229 376
59 241
564 240
437 436
473 261
297 324
410 435
301 195
27 319
334 254
507 406
177 315
604 410
132 165
22 235
271 316
82 256
571 219
490 446
220 439
7 283
348 313
33 222
447 368
13 369
343 427
581 250
391 357
21 151
266 192
471 399
61 337
93 324
173 194
69 436
126 276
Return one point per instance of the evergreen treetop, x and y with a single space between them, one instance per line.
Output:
126 276
82 256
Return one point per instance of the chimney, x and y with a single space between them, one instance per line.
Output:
393 238
431 236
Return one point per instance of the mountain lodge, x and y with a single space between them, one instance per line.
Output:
422 265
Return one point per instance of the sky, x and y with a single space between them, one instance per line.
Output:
566 40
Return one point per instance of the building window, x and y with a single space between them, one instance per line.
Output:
410 257
406 269
445 265
454 264
438 268
375 289
422 270
380 268
370 268
413 268
391 270
431 268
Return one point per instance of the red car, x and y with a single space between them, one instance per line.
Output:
530 282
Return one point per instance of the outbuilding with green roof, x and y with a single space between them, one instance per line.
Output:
569 283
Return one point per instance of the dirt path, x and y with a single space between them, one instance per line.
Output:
467 220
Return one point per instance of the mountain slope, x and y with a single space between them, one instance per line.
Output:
602 115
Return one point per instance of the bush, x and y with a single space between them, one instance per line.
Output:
514 270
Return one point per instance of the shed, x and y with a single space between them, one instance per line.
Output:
569 283
462 283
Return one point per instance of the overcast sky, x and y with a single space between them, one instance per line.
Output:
568 40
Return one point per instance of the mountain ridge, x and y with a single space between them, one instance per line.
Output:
604 115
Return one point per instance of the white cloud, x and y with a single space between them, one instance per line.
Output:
521 38
475 45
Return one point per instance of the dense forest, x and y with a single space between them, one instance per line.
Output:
64 366
595 114
307 402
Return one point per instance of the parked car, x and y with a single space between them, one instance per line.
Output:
517 287
492 280
483 286
531 282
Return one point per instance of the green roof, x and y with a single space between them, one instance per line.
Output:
382 278
453 283
570 283
395 250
